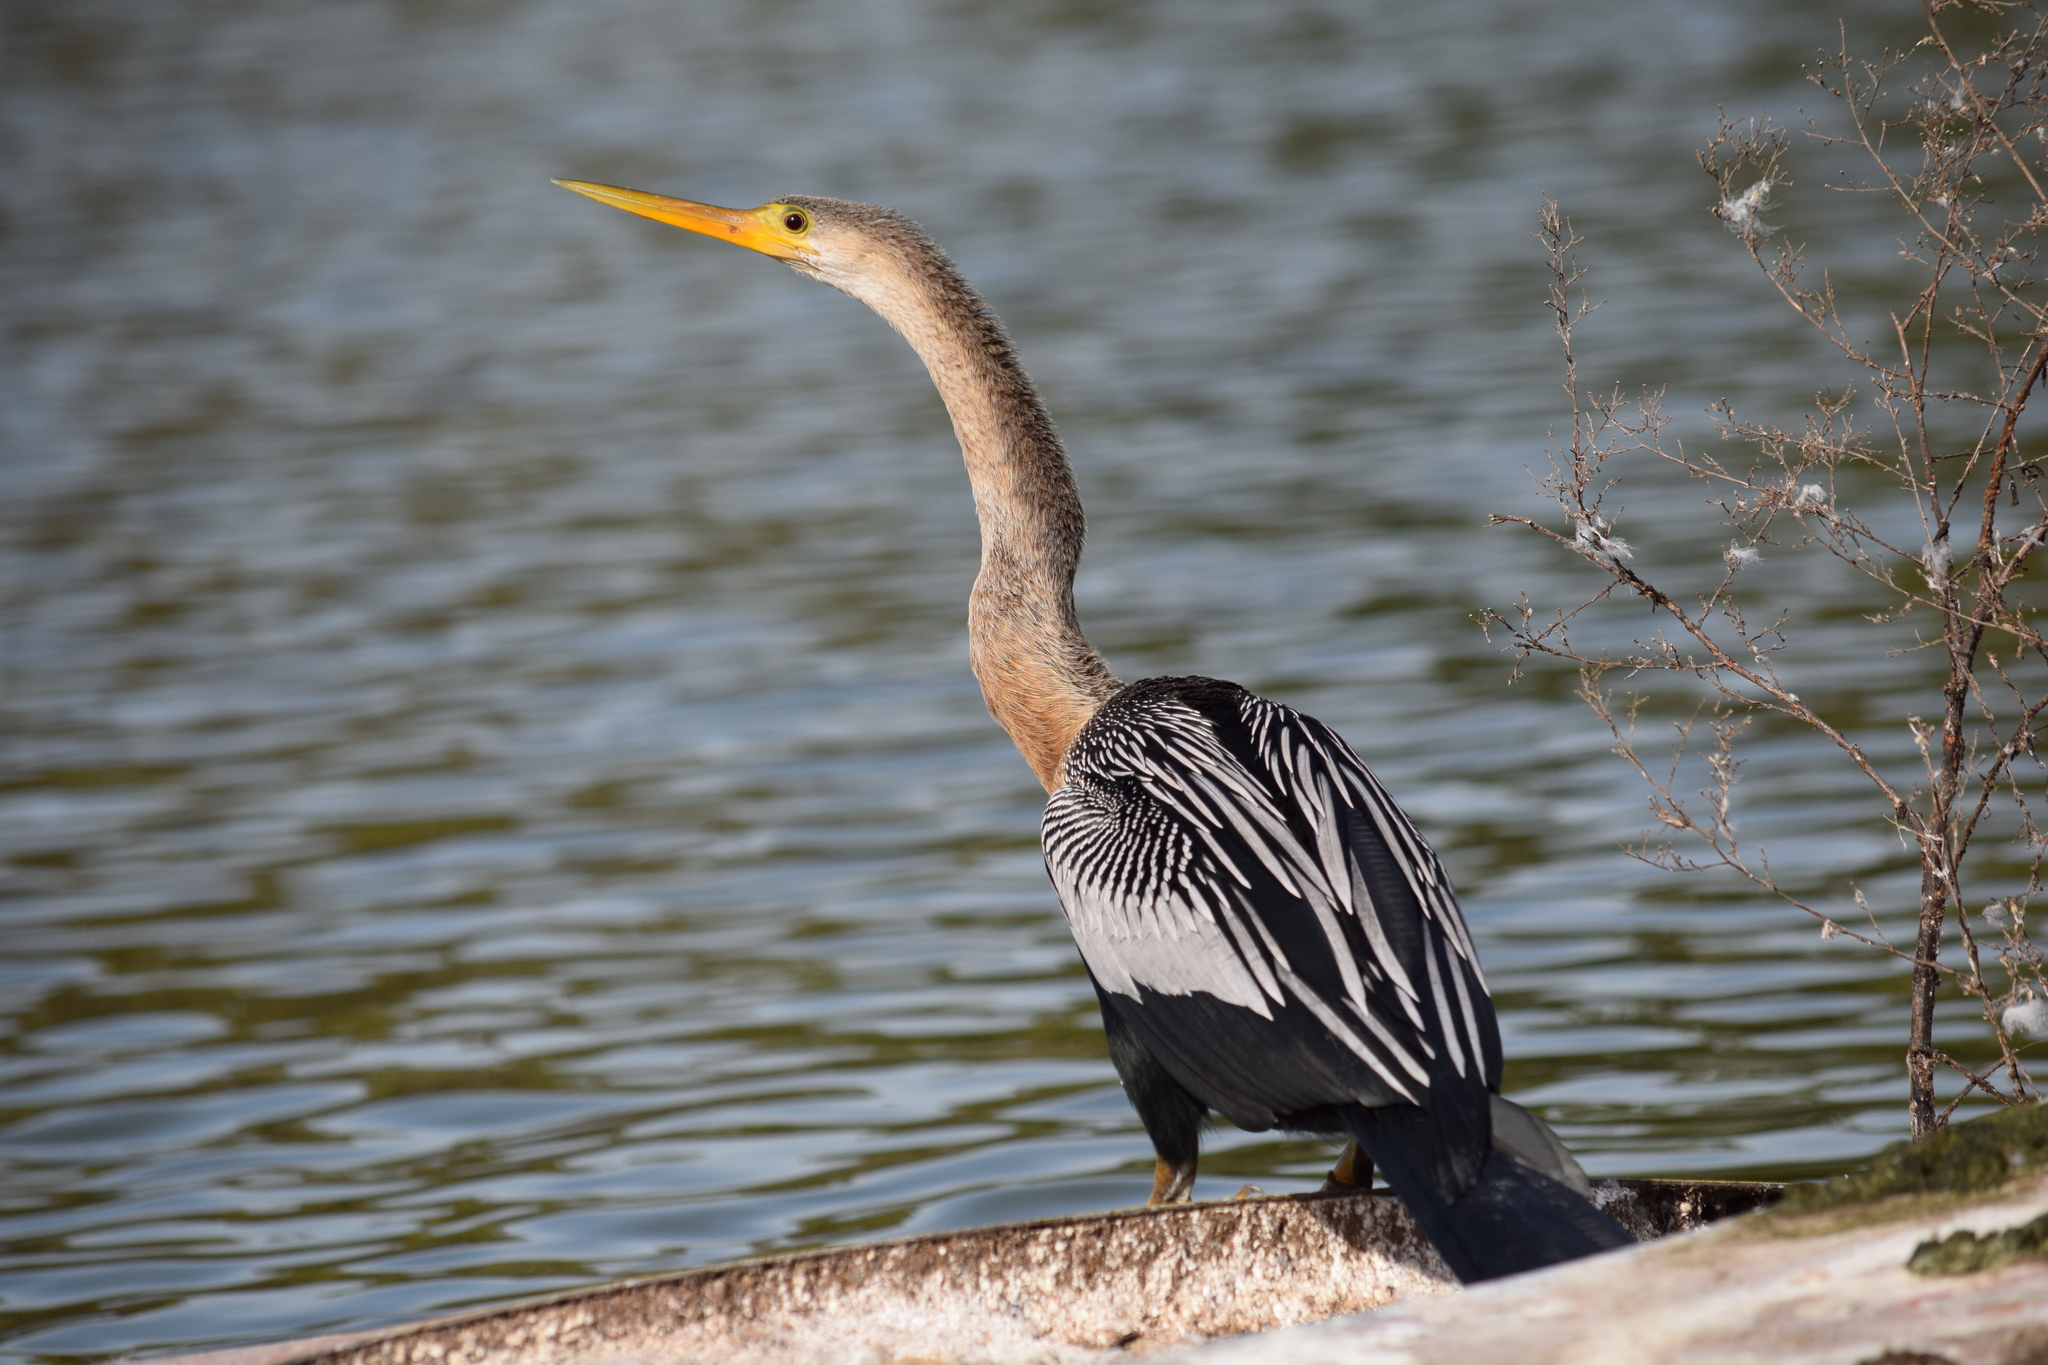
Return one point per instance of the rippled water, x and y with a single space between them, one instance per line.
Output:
494 799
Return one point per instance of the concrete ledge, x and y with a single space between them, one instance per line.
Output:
1823 1289
1060 1290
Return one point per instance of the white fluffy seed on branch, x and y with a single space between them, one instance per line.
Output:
1593 540
1743 212
1935 560
2028 1016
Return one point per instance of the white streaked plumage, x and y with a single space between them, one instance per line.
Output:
1155 844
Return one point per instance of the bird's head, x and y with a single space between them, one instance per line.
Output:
860 249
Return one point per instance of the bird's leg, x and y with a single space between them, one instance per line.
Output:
1172 1182
1353 1170
1172 1117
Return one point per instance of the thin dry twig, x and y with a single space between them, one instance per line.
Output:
1940 430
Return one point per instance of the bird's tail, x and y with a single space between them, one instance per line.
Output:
1513 1218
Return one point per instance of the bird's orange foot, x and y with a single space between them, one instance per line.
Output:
1352 1173
1171 1184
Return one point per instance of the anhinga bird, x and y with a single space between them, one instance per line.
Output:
1269 936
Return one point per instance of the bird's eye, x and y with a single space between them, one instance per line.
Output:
795 221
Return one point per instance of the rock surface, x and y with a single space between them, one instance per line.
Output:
1063 1290
1826 1288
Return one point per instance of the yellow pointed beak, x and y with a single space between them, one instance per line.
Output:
758 229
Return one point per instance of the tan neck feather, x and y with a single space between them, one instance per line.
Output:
1041 678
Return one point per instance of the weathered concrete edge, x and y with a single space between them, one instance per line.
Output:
1735 1293
1366 1239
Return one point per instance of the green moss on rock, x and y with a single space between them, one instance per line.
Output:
1963 1158
1965 1252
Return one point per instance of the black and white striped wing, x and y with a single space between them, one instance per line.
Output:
1210 843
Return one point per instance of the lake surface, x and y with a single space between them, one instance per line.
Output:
493 795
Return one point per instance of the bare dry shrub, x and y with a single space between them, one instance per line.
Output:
1955 138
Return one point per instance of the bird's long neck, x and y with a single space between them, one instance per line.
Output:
1040 676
